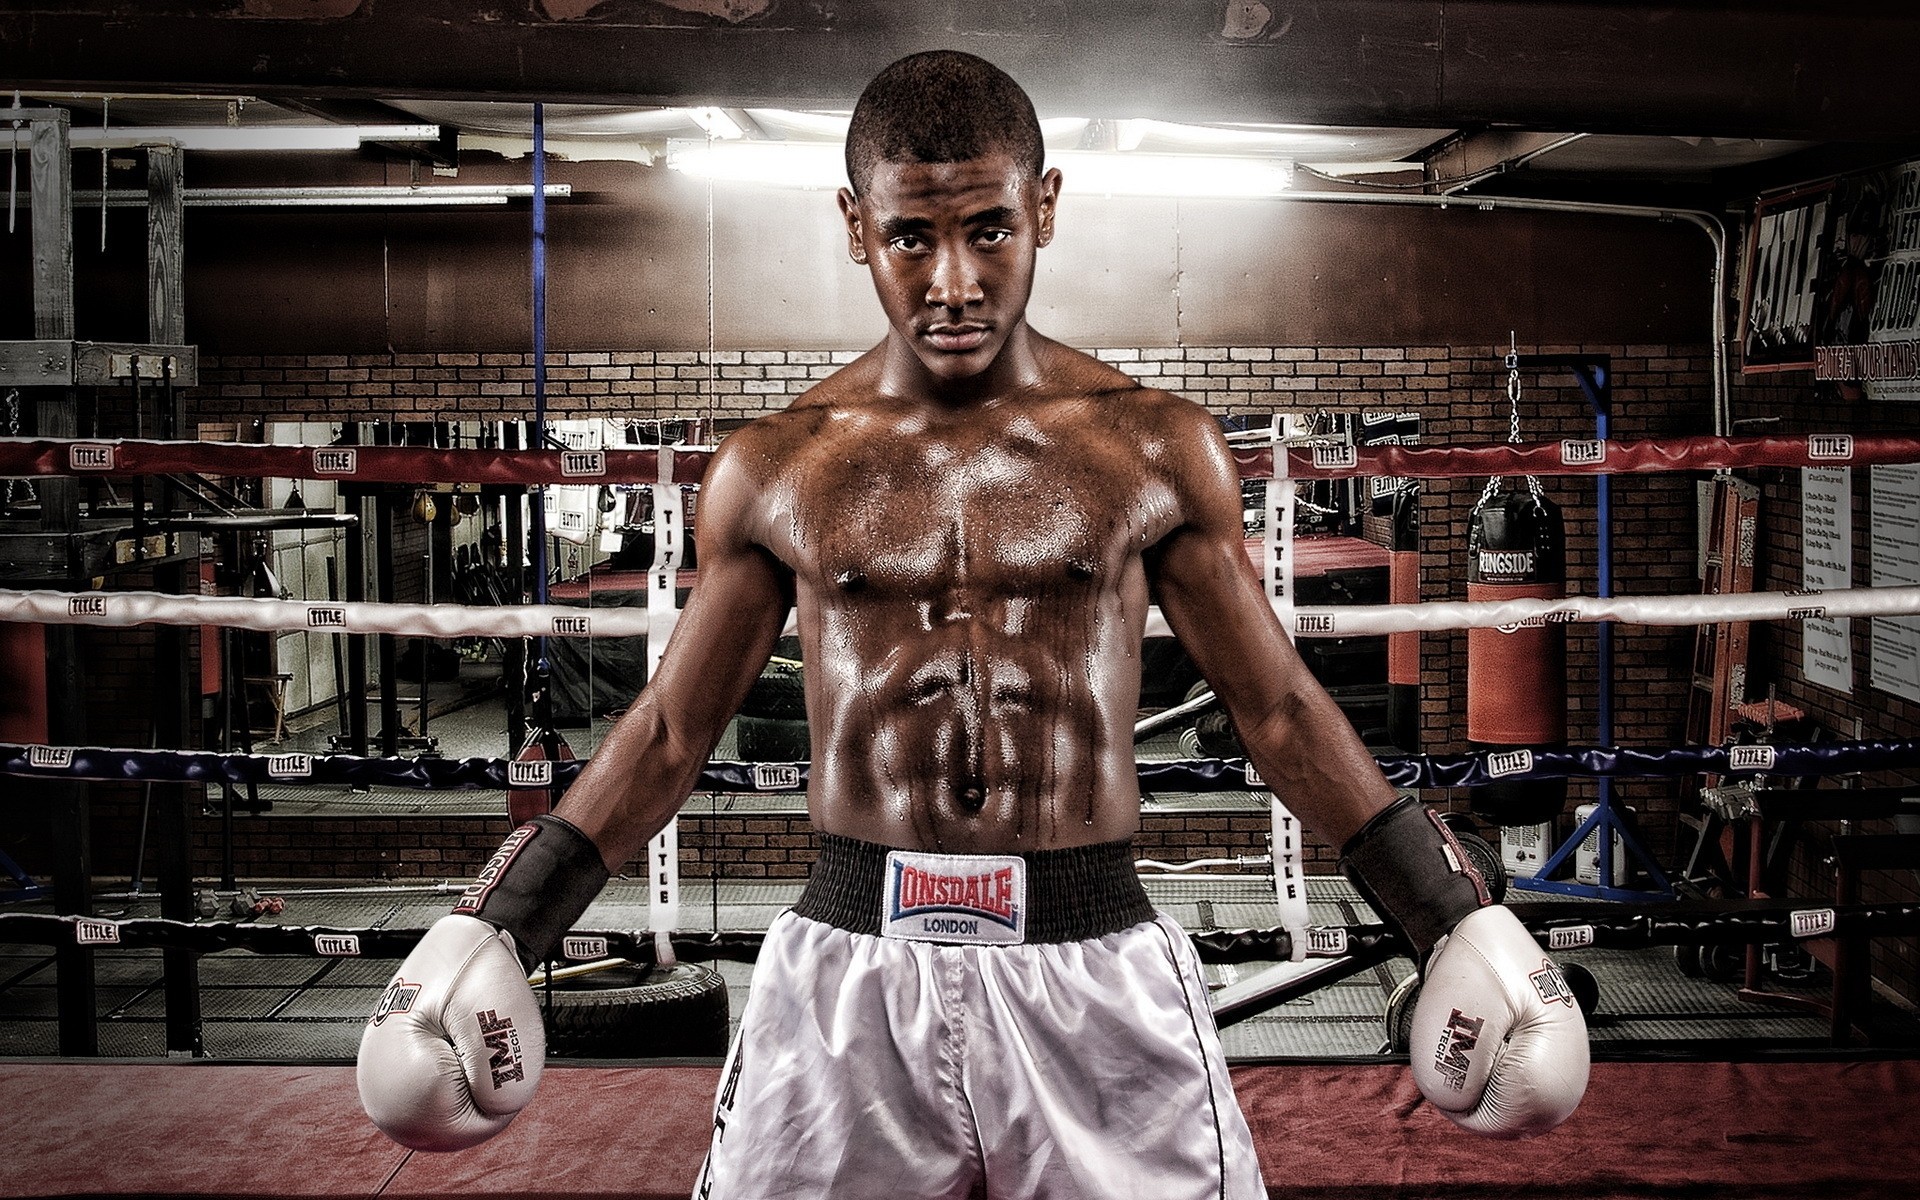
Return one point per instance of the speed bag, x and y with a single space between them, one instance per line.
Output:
1517 674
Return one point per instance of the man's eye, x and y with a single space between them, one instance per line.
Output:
993 237
907 243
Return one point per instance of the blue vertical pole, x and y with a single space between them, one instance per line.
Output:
1603 487
538 508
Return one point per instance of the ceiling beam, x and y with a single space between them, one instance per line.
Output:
1759 68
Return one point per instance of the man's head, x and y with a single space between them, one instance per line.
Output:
941 106
948 206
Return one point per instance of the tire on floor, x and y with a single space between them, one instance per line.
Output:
637 1011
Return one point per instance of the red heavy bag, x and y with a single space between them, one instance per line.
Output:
1517 674
1403 649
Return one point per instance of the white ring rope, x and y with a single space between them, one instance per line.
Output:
121 609
1349 621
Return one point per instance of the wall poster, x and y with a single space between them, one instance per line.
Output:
1826 563
1785 254
1833 284
1894 538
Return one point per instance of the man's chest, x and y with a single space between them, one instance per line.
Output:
1013 514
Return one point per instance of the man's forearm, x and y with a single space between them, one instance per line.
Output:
1311 758
638 779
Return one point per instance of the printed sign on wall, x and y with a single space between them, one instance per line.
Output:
1833 283
1894 538
1868 293
1826 563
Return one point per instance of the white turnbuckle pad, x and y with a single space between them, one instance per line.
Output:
962 899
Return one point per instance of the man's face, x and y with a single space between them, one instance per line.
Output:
951 247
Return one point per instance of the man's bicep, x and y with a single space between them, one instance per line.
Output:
723 637
737 609
1206 585
1211 597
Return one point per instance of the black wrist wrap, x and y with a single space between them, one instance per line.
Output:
536 885
1407 864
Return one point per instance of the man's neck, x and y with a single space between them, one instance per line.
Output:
1017 367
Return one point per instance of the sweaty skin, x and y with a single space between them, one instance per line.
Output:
970 520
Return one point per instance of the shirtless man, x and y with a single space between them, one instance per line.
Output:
973 995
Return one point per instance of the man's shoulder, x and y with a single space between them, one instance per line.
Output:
1090 377
1145 411
770 441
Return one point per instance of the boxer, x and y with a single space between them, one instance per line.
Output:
973 995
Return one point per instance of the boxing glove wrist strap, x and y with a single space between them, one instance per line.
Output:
1407 864
536 885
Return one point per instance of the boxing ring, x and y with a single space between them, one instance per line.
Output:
1777 1127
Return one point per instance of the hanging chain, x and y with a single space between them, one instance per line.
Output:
1513 417
1513 390
15 487
13 430
13 164
106 103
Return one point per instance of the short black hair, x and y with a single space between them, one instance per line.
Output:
940 106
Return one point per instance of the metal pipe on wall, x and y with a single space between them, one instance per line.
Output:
1706 222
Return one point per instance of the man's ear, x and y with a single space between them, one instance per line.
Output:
1049 201
850 212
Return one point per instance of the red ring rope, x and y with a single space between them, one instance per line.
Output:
25 457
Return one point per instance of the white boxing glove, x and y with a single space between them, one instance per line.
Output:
455 1047
1498 1042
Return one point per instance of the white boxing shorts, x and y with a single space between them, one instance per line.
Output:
925 1027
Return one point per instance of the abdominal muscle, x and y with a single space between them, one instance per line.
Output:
991 732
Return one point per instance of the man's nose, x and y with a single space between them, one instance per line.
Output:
955 283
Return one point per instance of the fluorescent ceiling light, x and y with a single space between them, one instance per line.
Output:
782 164
822 166
234 137
434 196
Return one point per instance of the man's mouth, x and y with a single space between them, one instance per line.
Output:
956 339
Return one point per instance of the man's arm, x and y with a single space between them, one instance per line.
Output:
651 759
1295 734
456 1045
1512 1047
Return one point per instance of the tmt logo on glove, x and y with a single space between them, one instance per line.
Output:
1457 1042
504 1042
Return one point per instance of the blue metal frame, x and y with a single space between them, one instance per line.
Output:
1594 374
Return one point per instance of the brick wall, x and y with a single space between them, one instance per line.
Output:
1459 393
413 387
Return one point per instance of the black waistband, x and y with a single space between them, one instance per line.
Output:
1073 894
